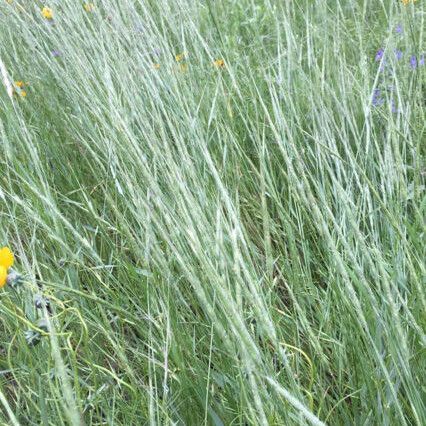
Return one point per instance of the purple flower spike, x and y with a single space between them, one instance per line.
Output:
56 53
379 55
422 60
377 100
398 54
399 29
413 62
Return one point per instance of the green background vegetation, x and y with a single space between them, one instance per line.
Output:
228 246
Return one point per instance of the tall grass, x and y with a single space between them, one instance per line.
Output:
220 245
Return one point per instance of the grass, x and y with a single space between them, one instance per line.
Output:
219 245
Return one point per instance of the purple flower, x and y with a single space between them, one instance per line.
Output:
398 54
413 62
422 60
377 99
399 29
379 55
56 53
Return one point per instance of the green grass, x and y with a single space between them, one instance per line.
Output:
221 246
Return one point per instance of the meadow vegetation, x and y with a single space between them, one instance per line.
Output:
217 212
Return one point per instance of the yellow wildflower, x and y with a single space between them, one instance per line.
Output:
88 7
3 276
6 258
6 261
406 2
180 57
219 63
156 66
20 88
47 12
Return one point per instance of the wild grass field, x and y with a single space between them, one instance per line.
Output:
216 211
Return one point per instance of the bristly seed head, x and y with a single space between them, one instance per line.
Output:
14 279
40 301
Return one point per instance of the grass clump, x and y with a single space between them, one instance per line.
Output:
216 211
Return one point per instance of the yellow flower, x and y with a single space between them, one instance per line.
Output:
406 2
88 7
219 63
6 258
3 276
21 86
180 56
156 66
47 12
6 261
